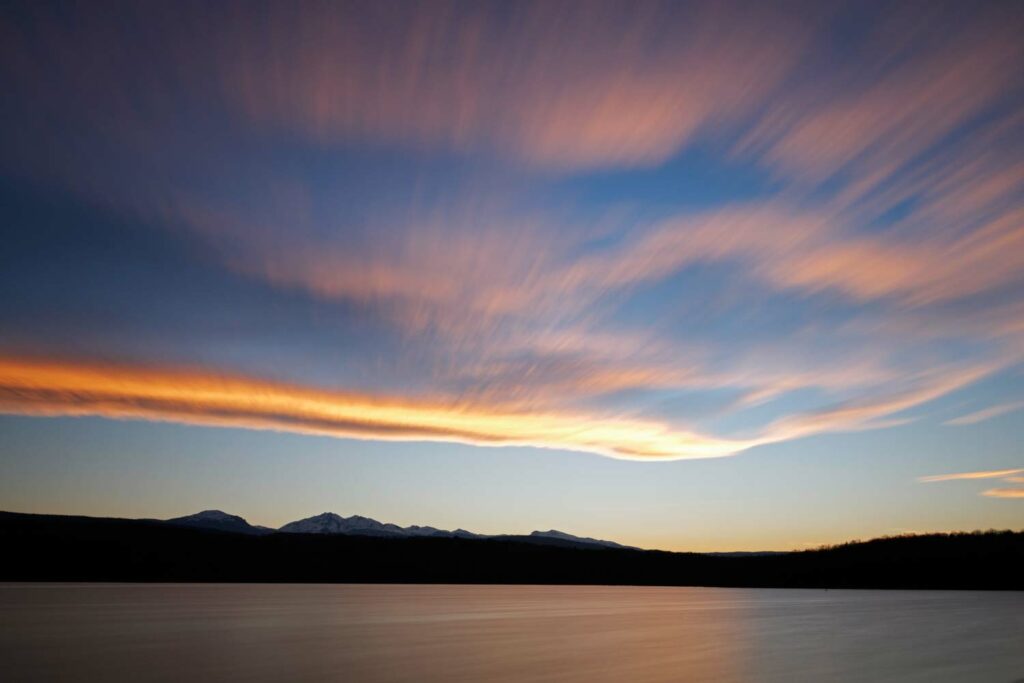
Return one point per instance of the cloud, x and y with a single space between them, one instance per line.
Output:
1004 493
988 474
50 388
876 411
1005 475
562 86
517 306
618 84
986 414
919 75
919 138
896 204
123 392
496 264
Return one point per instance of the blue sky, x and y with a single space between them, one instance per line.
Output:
685 275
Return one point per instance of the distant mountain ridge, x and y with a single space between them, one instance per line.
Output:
561 535
357 525
220 521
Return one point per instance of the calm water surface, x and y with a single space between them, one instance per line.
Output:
210 632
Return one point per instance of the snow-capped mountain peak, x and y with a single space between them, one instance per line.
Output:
332 523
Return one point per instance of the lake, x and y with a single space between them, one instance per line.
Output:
248 632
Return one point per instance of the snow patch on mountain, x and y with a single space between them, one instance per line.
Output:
331 523
356 525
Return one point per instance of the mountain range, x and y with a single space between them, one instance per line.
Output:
357 525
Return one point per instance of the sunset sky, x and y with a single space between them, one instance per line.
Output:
692 276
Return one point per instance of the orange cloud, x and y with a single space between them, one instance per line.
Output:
1004 493
51 388
123 392
988 474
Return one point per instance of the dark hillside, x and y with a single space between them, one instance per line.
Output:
57 548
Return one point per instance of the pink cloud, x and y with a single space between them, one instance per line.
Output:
561 86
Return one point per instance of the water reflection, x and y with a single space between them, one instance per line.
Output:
203 632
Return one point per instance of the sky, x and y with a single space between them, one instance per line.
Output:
693 276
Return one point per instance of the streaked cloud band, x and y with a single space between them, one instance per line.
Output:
193 397
986 414
989 474
1004 493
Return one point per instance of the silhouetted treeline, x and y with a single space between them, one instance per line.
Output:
55 548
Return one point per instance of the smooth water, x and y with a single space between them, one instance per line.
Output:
246 632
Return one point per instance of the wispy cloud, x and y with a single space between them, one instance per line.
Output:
986 414
1004 493
908 89
498 295
985 474
617 84
1005 475
878 409
560 86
